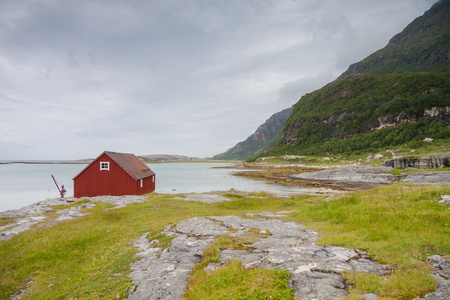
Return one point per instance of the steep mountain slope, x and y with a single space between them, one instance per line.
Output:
375 103
260 140
366 112
423 46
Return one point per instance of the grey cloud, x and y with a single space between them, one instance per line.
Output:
183 77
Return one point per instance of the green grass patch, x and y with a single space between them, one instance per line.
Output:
6 220
78 203
228 242
233 281
233 196
400 225
99 205
90 257
396 172
259 194
162 241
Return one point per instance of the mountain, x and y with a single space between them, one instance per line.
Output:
398 95
264 136
423 46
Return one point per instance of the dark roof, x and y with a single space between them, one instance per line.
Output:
129 163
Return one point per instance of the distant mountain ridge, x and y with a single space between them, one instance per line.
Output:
260 140
149 158
168 158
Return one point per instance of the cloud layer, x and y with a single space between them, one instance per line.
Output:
177 77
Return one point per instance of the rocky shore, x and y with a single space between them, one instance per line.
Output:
24 218
343 178
315 270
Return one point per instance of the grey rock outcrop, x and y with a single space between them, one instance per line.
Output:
28 216
315 270
439 177
442 275
163 274
350 177
33 214
445 199
360 178
419 162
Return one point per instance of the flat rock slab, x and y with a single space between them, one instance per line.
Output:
442 275
119 201
315 270
28 216
369 177
351 177
33 214
437 177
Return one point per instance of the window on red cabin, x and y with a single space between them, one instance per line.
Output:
104 166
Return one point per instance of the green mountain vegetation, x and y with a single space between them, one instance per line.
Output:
361 113
398 95
423 46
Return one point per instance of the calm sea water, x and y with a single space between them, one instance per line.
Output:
25 184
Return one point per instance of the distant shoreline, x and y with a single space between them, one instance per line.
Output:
88 161
149 158
29 162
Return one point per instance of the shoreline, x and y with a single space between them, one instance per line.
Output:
340 177
327 262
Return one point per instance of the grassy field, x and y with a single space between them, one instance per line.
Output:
89 258
399 225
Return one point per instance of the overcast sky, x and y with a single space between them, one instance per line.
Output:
176 77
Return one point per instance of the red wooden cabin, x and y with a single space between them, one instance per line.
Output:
114 174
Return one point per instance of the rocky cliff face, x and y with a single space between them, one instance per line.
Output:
419 162
360 104
271 127
433 114
334 123
367 112
259 140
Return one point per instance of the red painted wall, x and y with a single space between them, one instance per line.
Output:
148 185
115 182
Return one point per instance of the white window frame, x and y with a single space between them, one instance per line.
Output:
142 183
153 178
104 166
